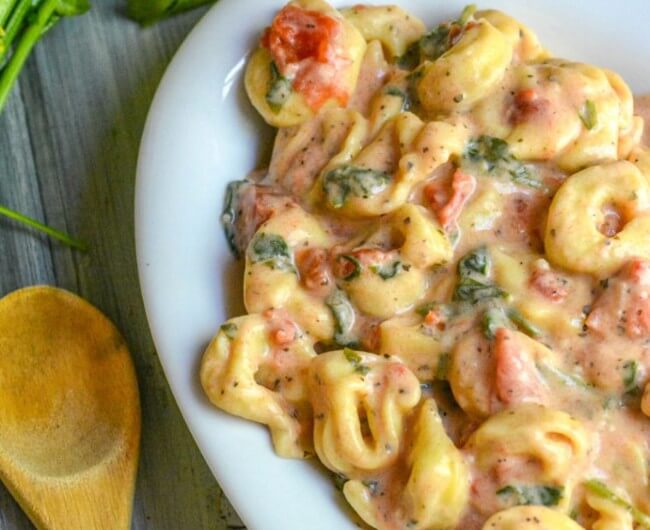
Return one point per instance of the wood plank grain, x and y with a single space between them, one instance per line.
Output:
68 147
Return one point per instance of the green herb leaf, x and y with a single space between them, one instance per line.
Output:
279 89
589 115
399 93
355 360
386 272
272 250
539 495
630 373
435 43
493 319
68 8
602 490
229 215
473 291
344 317
345 180
149 11
523 324
229 330
491 156
475 262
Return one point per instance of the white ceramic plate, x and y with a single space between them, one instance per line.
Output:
202 133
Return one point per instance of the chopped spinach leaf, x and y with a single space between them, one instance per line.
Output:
538 495
474 291
437 42
346 180
386 272
523 324
589 115
229 215
344 317
473 285
477 261
355 360
493 319
279 89
399 93
271 250
229 330
491 156
630 374
602 490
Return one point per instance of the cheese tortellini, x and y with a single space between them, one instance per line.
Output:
553 440
467 72
573 236
291 93
398 279
245 374
437 487
360 404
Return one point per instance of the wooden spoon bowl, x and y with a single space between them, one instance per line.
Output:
69 412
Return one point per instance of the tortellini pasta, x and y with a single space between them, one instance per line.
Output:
271 279
396 281
552 439
530 518
437 487
360 403
391 25
573 237
467 72
239 372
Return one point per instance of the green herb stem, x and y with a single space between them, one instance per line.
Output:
27 41
6 7
52 232
12 26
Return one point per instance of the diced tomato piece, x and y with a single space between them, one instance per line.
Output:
549 284
302 43
625 304
517 379
313 266
281 328
449 204
527 103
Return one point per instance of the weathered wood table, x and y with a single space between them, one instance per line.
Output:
68 147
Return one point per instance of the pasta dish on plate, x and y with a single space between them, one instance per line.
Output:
447 272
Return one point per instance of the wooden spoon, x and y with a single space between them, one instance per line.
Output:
69 412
